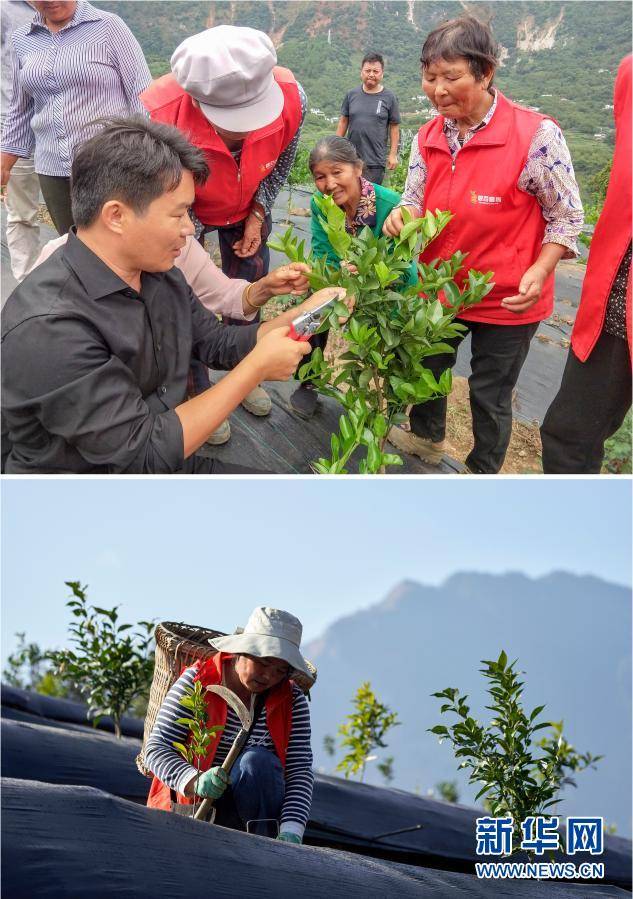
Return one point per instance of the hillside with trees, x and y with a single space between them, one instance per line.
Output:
558 57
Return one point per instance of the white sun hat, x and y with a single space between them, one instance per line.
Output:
229 71
269 633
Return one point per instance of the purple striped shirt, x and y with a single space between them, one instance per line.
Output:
62 81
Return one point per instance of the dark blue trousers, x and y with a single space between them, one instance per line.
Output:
256 792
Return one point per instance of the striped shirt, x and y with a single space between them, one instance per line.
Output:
13 13
170 767
62 81
548 175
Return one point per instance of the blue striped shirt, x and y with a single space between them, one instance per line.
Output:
170 767
62 81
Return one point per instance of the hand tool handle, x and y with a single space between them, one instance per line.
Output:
238 744
204 810
293 335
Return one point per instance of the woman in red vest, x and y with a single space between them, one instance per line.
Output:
272 778
595 393
232 101
506 174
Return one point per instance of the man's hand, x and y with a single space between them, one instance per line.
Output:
392 161
530 289
212 783
7 161
276 355
251 240
394 223
289 278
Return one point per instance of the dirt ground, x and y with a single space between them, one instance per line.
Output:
524 452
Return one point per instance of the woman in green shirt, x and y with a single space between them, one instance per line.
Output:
338 171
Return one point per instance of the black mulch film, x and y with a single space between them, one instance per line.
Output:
74 824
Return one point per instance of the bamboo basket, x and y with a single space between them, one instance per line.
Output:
178 646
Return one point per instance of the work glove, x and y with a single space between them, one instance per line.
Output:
286 837
212 783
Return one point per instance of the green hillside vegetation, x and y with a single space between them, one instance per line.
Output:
323 43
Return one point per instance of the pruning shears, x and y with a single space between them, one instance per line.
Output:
307 324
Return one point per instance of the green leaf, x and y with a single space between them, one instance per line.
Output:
380 426
452 293
373 457
439 729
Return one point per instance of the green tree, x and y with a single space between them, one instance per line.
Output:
26 666
517 773
365 731
29 668
447 790
599 182
329 744
398 176
110 663
386 769
390 332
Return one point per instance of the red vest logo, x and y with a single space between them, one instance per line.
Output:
267 166
483 199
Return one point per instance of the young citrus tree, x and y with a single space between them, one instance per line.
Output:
365 731
110 663
201 735
29 668
447 790
390 333
519 774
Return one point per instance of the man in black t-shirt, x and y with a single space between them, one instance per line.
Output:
368 112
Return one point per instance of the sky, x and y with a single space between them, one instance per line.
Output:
207 551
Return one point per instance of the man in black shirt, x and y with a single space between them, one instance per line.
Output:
368 114
97 341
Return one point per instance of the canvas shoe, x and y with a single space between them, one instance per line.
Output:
222 434
408 442
257 402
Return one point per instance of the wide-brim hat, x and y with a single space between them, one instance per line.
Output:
269 633
229 71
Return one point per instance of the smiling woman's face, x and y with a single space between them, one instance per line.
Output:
452 88
339 179
257 675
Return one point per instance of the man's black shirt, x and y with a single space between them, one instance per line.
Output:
92 370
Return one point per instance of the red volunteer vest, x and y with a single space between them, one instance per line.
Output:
612 234
500 227
228 193
278 719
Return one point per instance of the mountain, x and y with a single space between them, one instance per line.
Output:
558 57
571 635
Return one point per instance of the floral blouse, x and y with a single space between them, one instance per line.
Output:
365 216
